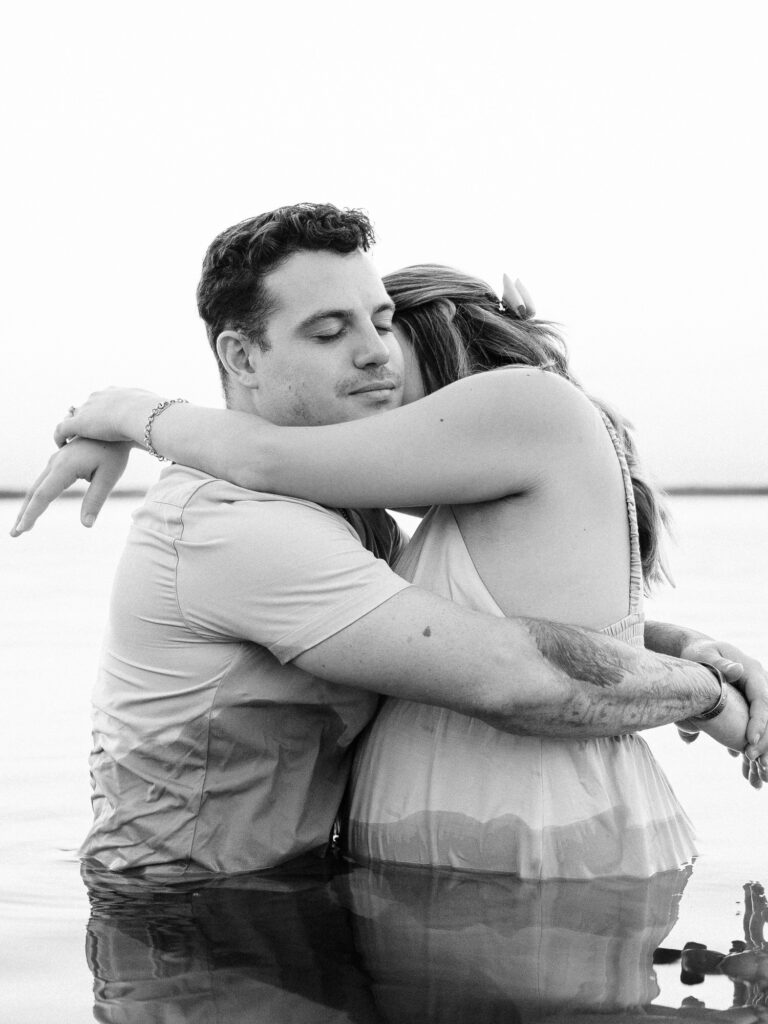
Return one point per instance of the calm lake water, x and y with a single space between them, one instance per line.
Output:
361 946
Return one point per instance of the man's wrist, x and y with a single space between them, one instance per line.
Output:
717 706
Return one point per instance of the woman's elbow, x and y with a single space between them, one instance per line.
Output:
249 470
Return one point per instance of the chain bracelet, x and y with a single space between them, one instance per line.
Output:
160 407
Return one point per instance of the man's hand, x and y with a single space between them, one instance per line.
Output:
112 414
751 679
98 462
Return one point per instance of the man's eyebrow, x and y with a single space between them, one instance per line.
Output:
341 314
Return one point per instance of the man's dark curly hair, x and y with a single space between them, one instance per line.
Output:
232 295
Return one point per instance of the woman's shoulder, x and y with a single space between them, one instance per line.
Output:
530 392
519 378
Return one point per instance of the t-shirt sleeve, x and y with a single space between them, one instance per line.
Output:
279 572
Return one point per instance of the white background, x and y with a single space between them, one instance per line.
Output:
611 154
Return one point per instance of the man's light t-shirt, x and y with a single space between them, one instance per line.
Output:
211 751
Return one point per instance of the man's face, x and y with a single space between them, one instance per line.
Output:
332 356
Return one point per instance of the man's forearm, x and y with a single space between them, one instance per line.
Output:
608 687
521 675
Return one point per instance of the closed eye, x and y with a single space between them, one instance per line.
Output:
332 337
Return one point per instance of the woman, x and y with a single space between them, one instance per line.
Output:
536 514
538 807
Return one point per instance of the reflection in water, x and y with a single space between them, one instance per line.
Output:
746 964
455 947
262 947
387 944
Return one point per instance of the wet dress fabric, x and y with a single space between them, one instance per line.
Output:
434 787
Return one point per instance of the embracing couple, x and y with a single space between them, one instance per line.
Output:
265 604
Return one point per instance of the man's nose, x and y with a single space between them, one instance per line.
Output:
372 349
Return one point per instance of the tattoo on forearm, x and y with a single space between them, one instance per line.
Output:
655 688
575 653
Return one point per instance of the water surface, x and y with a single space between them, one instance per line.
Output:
359 945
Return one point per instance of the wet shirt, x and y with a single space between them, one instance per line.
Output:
211 751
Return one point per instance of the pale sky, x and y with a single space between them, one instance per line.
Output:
613 155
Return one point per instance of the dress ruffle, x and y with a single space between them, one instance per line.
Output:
536 808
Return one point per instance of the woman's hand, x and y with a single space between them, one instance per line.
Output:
728 728
112 414
100 463
750 679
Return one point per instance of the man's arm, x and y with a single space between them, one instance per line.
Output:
525 676
294 578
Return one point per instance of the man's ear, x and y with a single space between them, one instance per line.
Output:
239 356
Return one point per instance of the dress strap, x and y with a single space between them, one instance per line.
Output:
635 559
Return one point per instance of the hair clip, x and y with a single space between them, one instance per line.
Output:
516 298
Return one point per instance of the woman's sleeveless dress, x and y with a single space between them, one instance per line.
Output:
435 787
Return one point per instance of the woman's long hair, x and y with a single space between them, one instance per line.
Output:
458 327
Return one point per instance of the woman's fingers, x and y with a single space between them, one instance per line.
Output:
52 482
753 683
90 419
750 678
100 463
21 516
686 736
103 481
93 501
65 430
751 772
732 670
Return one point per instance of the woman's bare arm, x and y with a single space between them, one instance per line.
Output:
481 438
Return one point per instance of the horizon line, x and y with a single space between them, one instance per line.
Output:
675 490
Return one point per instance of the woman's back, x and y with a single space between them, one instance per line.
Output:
561 549
434 787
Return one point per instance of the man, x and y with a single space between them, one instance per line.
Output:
249 633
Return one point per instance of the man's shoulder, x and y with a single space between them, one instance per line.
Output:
193 509
183 488
273 570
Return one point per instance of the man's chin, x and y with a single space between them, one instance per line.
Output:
380 400
353 407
